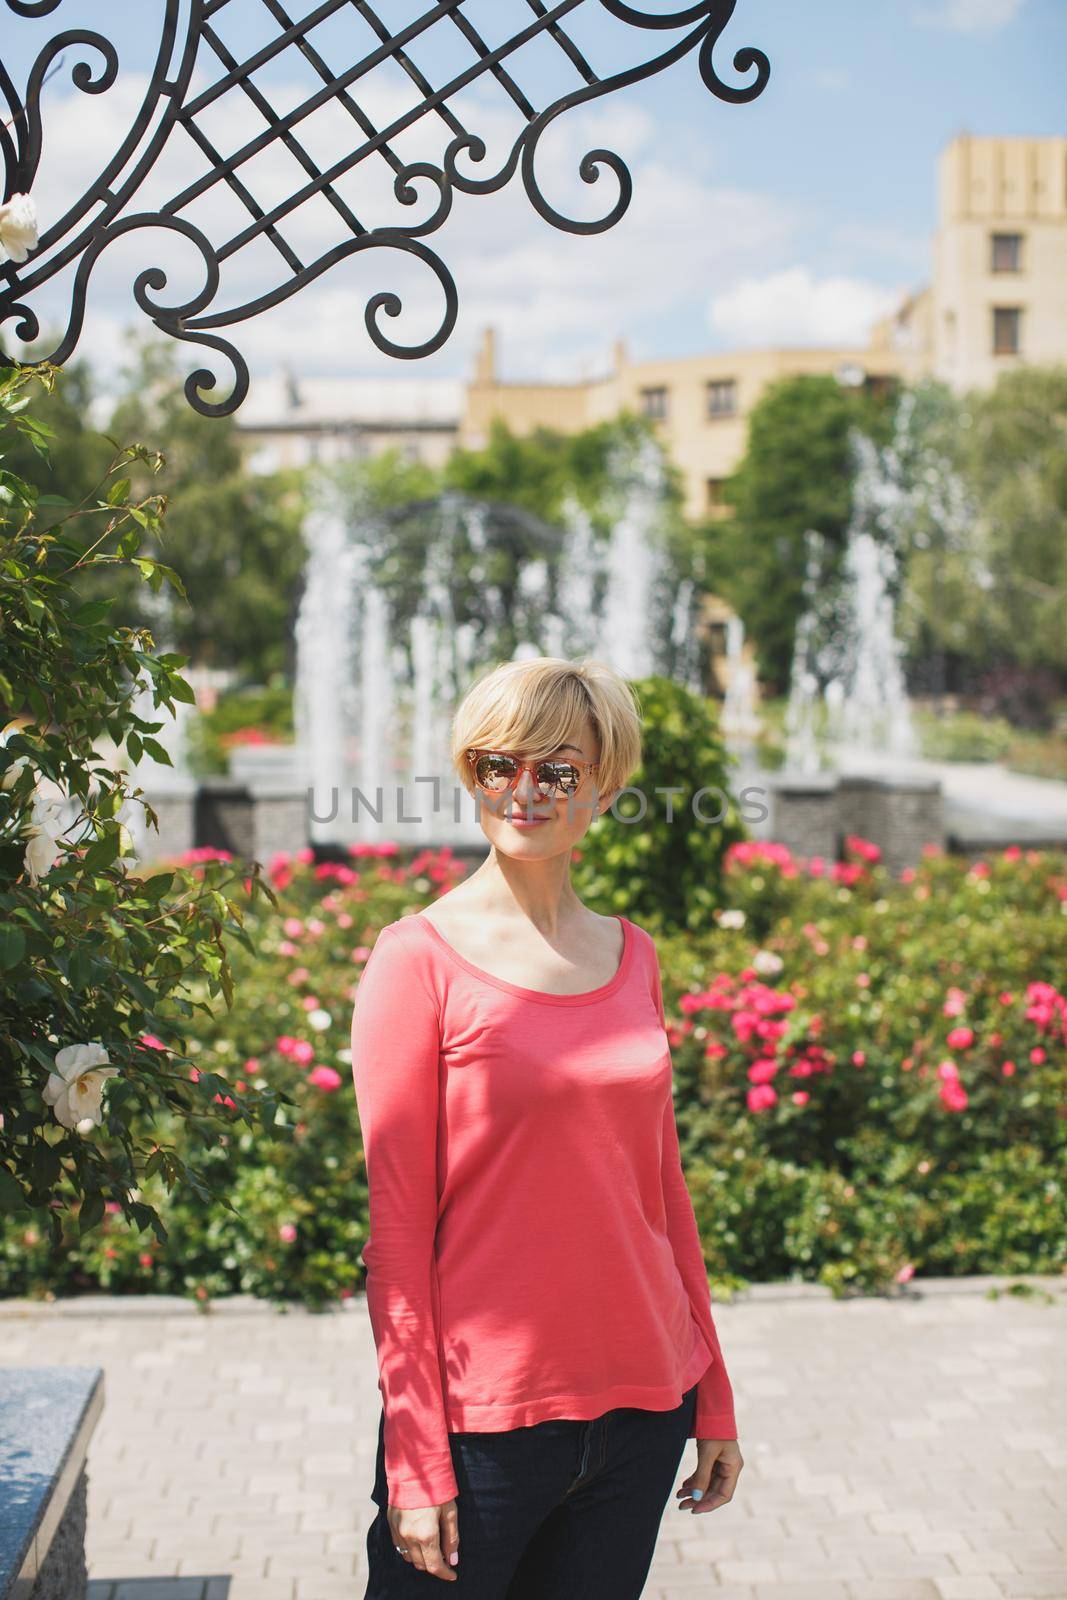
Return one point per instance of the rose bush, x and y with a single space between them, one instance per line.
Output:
870 1082
890 1054
97 956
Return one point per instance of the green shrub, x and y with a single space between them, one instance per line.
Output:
657 852
964 736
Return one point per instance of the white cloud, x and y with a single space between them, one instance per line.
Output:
969 16
795 308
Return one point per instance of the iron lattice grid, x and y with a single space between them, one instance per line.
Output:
191 40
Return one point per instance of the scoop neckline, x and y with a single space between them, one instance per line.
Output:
585 997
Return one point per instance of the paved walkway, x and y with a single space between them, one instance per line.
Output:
905 1449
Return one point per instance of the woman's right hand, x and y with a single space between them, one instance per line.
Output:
427 1536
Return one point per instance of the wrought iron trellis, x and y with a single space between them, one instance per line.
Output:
190 41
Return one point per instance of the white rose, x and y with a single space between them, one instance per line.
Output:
18 227
731 919
45 832
319 1019
767 964
75 1089
42 851
11 773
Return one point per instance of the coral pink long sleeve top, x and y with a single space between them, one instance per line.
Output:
533 1251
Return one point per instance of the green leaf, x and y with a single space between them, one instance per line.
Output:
156 887
118 492
180 690
102 852
91 1213
12 1198
12 945
93 611
44 1164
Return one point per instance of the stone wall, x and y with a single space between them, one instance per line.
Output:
814 816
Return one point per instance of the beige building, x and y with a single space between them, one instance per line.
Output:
998 290
997 297
699 404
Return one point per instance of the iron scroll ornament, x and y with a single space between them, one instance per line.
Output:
189 38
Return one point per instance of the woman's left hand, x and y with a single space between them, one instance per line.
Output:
714 1479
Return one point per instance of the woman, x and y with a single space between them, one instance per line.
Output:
535 1281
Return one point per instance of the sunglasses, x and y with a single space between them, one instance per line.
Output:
497 771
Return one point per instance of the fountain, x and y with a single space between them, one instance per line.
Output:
848 700
850 748
739 721
402 606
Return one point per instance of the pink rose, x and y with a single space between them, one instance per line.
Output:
324 1078
953 1095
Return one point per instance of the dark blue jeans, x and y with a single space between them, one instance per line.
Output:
562 1510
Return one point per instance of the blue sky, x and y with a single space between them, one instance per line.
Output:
794 219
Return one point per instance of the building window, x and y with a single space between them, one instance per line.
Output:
714 499
654 403
1006 251
1006 322
722 397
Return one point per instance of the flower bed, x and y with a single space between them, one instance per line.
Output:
870 1080
881 1063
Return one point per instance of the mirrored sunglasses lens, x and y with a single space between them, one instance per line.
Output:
495 773
558 775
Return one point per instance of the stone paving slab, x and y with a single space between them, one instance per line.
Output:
904 1448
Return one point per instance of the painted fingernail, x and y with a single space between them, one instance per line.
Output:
453 1559
698 1494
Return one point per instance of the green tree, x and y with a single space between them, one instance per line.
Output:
985 550
101 967
384 480
78 454
539 471
234 535
1014 458
796 474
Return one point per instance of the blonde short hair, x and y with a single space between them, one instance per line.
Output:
531 706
